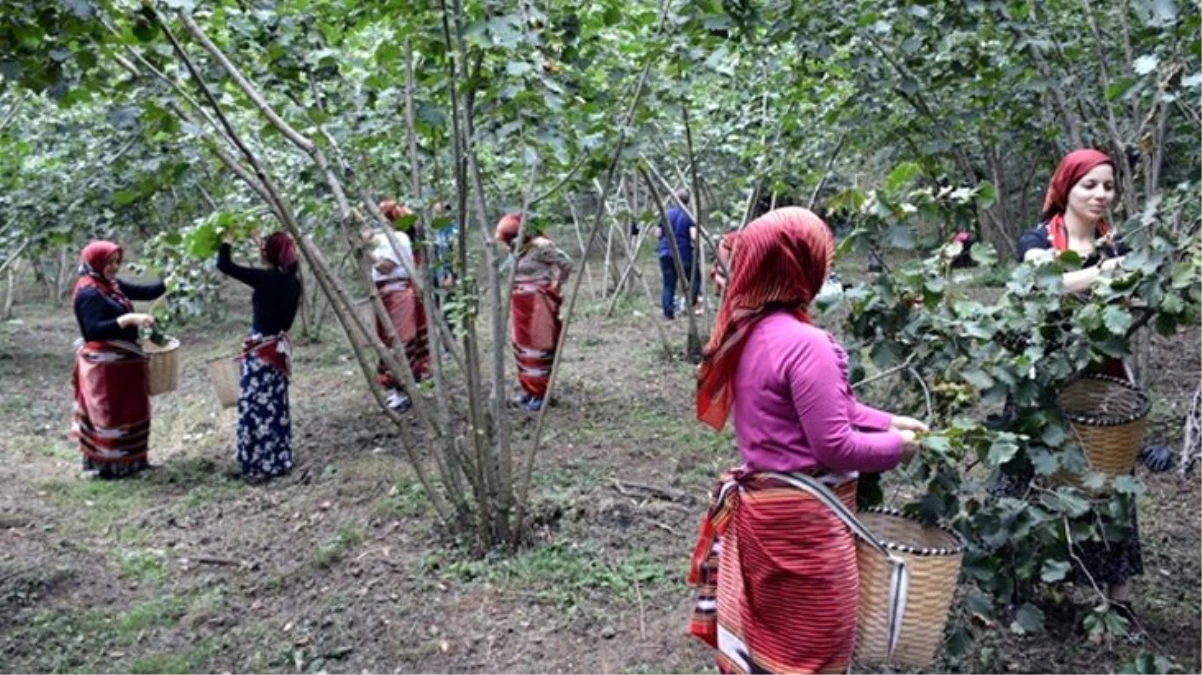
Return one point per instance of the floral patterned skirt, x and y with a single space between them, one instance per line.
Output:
264 443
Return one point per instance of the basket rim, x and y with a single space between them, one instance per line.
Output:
172 345
1144 402
912 550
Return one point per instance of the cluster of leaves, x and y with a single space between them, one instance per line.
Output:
996 367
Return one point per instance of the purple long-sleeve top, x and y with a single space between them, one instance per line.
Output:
794 409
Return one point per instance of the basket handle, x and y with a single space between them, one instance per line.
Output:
899 577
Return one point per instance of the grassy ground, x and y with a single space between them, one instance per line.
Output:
340 567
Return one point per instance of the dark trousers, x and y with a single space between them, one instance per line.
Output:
667 267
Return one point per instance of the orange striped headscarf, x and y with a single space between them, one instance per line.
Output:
782 262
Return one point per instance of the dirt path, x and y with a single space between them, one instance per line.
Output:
339 568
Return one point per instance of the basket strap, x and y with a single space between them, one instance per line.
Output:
899 577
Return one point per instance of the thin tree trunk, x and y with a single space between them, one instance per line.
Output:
10 292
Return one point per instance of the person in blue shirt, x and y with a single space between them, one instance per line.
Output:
684 231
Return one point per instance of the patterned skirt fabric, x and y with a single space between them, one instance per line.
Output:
777 579
112 408
535 327
264 442
408 317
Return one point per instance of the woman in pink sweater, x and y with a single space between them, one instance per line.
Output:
776 567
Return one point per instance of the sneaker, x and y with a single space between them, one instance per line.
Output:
533 404
398 401
522 399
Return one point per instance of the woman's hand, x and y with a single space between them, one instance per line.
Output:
910 444
1111 266
903 423
135 320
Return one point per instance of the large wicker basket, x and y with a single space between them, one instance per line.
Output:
164 366
224 375
1108 415
933 556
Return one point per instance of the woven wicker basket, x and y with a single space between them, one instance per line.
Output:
164 366
224 375
1108 415
933 556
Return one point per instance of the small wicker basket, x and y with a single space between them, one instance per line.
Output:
933 556
1108 415
224 375
164 366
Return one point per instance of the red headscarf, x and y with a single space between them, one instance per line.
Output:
393 211
782 262
280 251
508 226
91 272
1072 169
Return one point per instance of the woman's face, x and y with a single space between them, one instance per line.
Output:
111 266
1091 197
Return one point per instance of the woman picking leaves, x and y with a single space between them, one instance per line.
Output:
264 437
775 565
1074 219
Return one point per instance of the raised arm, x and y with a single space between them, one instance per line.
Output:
142 291
248 275
823 408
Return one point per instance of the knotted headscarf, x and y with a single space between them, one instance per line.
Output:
508 226
393 211
1071 170
782 262
92 260
279 251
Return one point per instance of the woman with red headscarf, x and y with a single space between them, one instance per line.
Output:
775 564
542 269
1074 219
264 437
393 262
112 404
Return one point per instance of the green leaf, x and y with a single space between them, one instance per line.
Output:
517 68
1072 504
986 196
977 378
902 175
1054 570
1128 485
1027 620
1001 451
1117 319
1119 87
1053 435
1044 461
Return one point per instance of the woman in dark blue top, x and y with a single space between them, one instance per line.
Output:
112 403
1074 219
264 438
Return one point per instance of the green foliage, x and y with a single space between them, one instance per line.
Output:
1021 348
